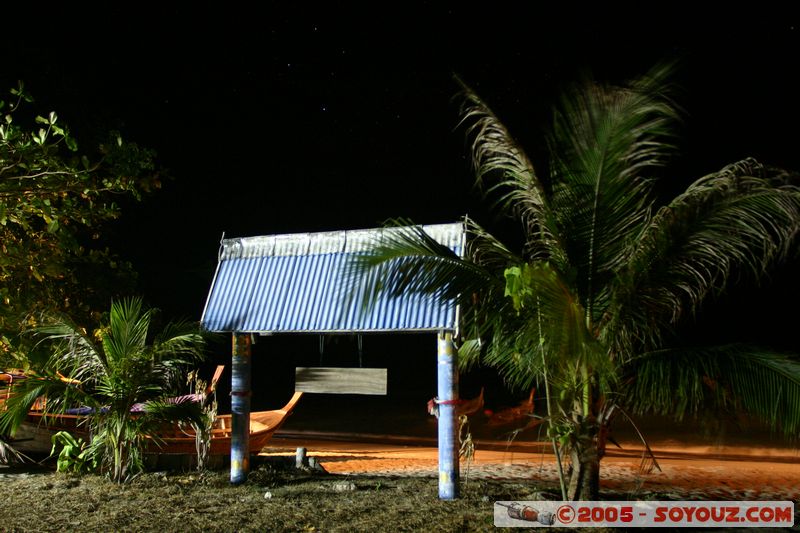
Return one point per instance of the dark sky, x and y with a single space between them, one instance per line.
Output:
275 120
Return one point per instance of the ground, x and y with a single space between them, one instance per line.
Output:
684 471
379 485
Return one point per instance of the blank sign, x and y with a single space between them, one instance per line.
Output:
330 380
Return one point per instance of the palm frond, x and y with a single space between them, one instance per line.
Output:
16 407
73 352
549 329
762 383
648 462
486 250
409 261
161 411
739 221
606 143
9 455
469 353
489 303
180 344
60 395
181 340
127 330
497 156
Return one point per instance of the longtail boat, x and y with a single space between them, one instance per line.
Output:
263 424
34 436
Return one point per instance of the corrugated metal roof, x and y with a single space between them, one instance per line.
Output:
294 283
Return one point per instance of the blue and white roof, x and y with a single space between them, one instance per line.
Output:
295 283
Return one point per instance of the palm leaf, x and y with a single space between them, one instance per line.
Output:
159 411
73 352
127 330
16 407
486 250
409 261
180 344
735 222
649 461
181 340
549 329
497 156
60 395
606 143
758 382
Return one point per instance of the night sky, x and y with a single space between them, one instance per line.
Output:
277 120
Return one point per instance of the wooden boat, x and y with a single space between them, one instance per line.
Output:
511 415
263 424
34 436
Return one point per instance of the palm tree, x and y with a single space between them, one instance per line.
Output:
111 372
606 275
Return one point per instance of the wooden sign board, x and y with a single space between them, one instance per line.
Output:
330 380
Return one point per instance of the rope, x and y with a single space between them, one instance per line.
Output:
434 403
448 402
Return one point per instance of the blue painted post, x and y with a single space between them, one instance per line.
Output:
448 438
240 408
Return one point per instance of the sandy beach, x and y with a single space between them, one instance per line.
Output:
685 471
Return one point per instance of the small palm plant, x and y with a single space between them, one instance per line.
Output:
109 373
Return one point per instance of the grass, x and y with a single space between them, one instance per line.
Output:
276 498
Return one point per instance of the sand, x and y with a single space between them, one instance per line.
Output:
686 471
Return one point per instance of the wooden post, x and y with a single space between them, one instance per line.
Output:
240 408
448 396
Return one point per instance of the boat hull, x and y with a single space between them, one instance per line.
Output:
34 436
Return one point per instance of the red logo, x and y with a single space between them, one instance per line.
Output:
565 514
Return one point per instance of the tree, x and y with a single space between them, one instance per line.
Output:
606 277
53 201
110 372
